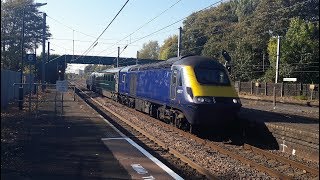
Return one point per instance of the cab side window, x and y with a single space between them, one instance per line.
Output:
179 78
174 77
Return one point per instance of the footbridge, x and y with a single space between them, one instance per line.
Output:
76 59
56 66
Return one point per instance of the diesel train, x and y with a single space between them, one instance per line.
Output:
187 91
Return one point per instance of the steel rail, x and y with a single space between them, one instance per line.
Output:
183 158
282 159
242 159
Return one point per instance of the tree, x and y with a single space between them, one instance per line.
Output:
299 52
95 68
194 36
244 28
169 48
11 31
149 50
89 69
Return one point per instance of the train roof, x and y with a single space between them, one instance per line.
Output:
199 61
158 65
112 70
96 74
194 61
127 68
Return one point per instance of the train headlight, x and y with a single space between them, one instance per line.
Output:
200 99
204 100
236 101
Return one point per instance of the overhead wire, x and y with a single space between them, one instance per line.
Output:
83 41
138 39
94 43
152 19
173 24
134 45
88 35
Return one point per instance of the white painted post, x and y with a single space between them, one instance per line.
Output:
278 59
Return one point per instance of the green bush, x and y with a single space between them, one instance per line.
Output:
301 97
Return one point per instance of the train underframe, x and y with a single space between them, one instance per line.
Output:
164 113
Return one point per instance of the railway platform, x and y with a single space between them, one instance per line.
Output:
75 142
293 128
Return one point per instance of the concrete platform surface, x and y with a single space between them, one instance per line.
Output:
78 144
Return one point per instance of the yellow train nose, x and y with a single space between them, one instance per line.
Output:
207 90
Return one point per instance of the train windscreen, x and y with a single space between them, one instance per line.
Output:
212 76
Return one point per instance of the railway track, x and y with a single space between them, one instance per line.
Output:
265 164
152 143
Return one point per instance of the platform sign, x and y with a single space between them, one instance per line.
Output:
290 79
62 86
31 58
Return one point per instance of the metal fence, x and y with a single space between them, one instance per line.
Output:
307 91
9 91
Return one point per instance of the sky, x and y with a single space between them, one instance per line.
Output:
82 22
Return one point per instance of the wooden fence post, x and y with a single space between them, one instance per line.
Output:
265 88
300 89
251 86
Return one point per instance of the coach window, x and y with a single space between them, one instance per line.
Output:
123 78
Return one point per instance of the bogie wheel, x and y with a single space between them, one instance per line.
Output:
178 123
193 129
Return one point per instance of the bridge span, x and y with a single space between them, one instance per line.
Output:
76 59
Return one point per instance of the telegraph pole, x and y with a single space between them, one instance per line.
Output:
48 57
43 52
179 42
137 57
118 56
73 45
21 75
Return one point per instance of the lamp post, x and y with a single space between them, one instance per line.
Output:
120 53
22 54
43 52
21 74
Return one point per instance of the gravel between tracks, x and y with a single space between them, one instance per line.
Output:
221 165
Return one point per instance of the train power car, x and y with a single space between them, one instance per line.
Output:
187 91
